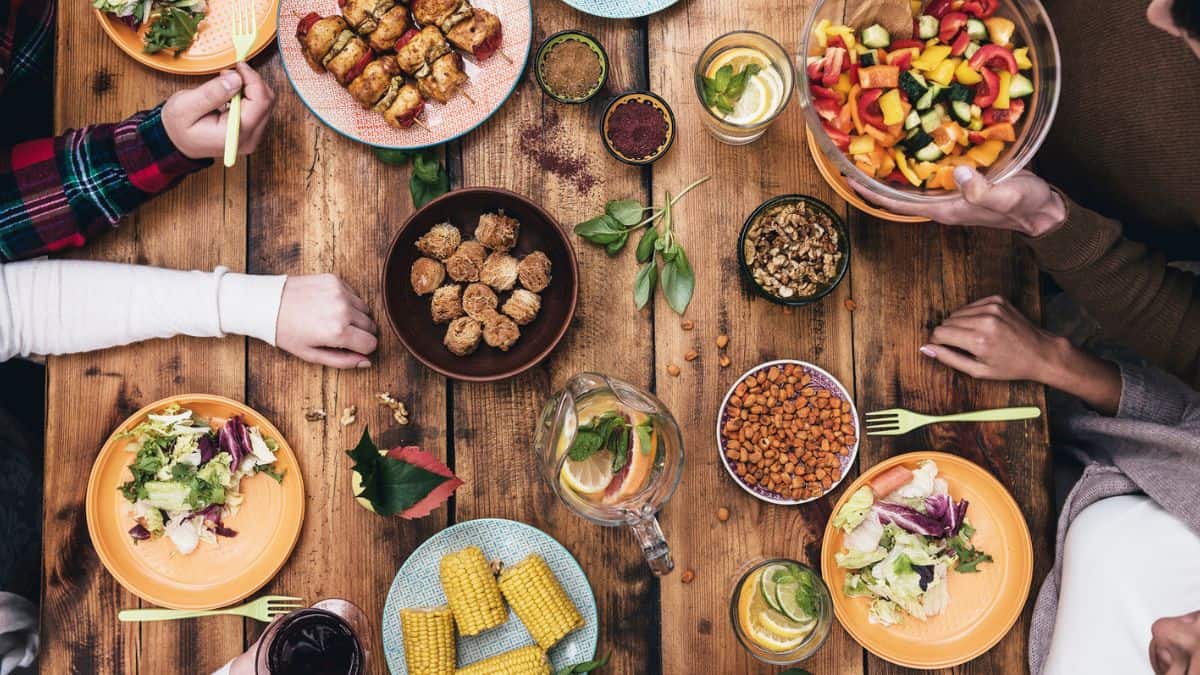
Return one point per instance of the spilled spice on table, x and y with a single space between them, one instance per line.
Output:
547 144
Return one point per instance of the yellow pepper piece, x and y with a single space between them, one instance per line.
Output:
862 145
902 165
819 32
843 84
985 153
916 6
846 32
944 73
1022 57
924 170
1000 30
893 111
932 57
1002 96
967 75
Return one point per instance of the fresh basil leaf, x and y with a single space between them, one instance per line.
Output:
173 28
645 436
679 282
423 191
643 285
601 230
628 212
396 157
585 667
586 444
427 166
614 247
723 76
645 247
671 251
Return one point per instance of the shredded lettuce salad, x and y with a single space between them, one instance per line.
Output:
186 475
173 23
900 549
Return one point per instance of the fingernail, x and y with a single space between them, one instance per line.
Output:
962 174
231 81
364 364
928 351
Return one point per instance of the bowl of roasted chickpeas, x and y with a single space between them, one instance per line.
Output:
480 284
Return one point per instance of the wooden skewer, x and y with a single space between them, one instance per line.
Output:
504 56
466 95
421 124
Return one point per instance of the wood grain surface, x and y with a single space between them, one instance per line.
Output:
309 201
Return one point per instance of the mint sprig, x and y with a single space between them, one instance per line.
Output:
726 88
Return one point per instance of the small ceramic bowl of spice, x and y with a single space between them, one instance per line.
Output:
794 250
638 127
571 66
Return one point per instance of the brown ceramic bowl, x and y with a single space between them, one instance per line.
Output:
409 313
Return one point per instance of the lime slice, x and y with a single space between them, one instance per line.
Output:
786 595
589 477
769 583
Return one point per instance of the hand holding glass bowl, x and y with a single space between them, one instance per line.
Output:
1030 28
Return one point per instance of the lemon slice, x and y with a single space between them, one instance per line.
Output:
776 634
590 477
756 103
783 627
737 58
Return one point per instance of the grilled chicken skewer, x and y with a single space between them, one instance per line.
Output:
471 29
381 22
427 57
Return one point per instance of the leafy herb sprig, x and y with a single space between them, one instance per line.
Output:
623 217
429 178
609 431
585 667
173 28
968 557
726 88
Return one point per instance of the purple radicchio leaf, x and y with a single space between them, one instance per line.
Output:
208 449
926 574
910 520
231 440
139 533
212 514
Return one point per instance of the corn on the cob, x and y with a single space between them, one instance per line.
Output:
529 660
472 591
428 640
539 601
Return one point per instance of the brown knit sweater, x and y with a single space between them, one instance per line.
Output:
1125 150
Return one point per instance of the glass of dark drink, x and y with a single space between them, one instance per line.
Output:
320 640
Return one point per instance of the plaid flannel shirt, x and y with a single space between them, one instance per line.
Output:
57 193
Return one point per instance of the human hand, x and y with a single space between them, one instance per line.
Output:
322 321
1023 203
1175 645
195 119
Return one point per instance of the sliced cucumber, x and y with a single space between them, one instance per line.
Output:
867 60
769 583
976 29
928 26
972 47
913 120
926 101
930 153
1020 86
961 111
916 140
876 37
931 120
960 92
913 85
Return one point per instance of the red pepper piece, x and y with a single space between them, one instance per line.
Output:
406 38
951 24
938 8
1016 107
356 70
975 138
987 91
840 138
405 121
489 46
981 9
960 43
844 121
827 109
829 68
907 44
306 24
993 56
896 177
853 72
835 41
868 108
902 59
824 92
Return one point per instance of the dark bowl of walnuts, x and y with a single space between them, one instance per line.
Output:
480 284
794 250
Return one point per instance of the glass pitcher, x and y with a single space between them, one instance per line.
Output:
613 454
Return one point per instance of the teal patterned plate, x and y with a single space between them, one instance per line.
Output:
417 584
620 9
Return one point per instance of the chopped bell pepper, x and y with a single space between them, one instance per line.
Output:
827 109
938 8
1002 97
828 68
932 57
1022 57
840 138
996 116
852 102
976 137
823 92
915 6
966 75
994 56
1000 30
883 160
843 85
981 9
903 167
886 138
986 153
944 139
944 73
862 145
944 178
924 170
843 121
902 58
892 107
1003 131
907 44
896 177
877 77
837 41
986 91
820 34
844 32
864 165
868 108
951 25
960 44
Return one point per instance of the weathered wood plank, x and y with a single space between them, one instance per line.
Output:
494 423
907 279
199 225
696 616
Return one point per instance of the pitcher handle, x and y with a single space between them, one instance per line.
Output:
654 545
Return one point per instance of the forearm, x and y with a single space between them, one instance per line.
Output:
1091 379
59 307
58 193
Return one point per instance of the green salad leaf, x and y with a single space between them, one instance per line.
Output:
173 28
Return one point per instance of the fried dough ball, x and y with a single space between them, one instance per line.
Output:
497 231
479 301
522 306
500 332
466 262
426 275
440 241
499 271
447 303
534 272
462 336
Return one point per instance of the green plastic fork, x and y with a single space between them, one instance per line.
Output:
263 609
896 421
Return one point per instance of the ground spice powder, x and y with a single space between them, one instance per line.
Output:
545 143
636 129
571 69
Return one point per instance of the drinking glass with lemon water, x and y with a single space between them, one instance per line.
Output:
781 610
744 80
614 455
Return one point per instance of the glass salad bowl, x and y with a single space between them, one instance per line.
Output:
1033 29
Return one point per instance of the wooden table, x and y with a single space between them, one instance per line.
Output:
311 201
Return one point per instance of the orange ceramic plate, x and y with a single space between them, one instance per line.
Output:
213 49
838 182
983 606
214 575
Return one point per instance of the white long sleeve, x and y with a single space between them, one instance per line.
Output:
67 306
